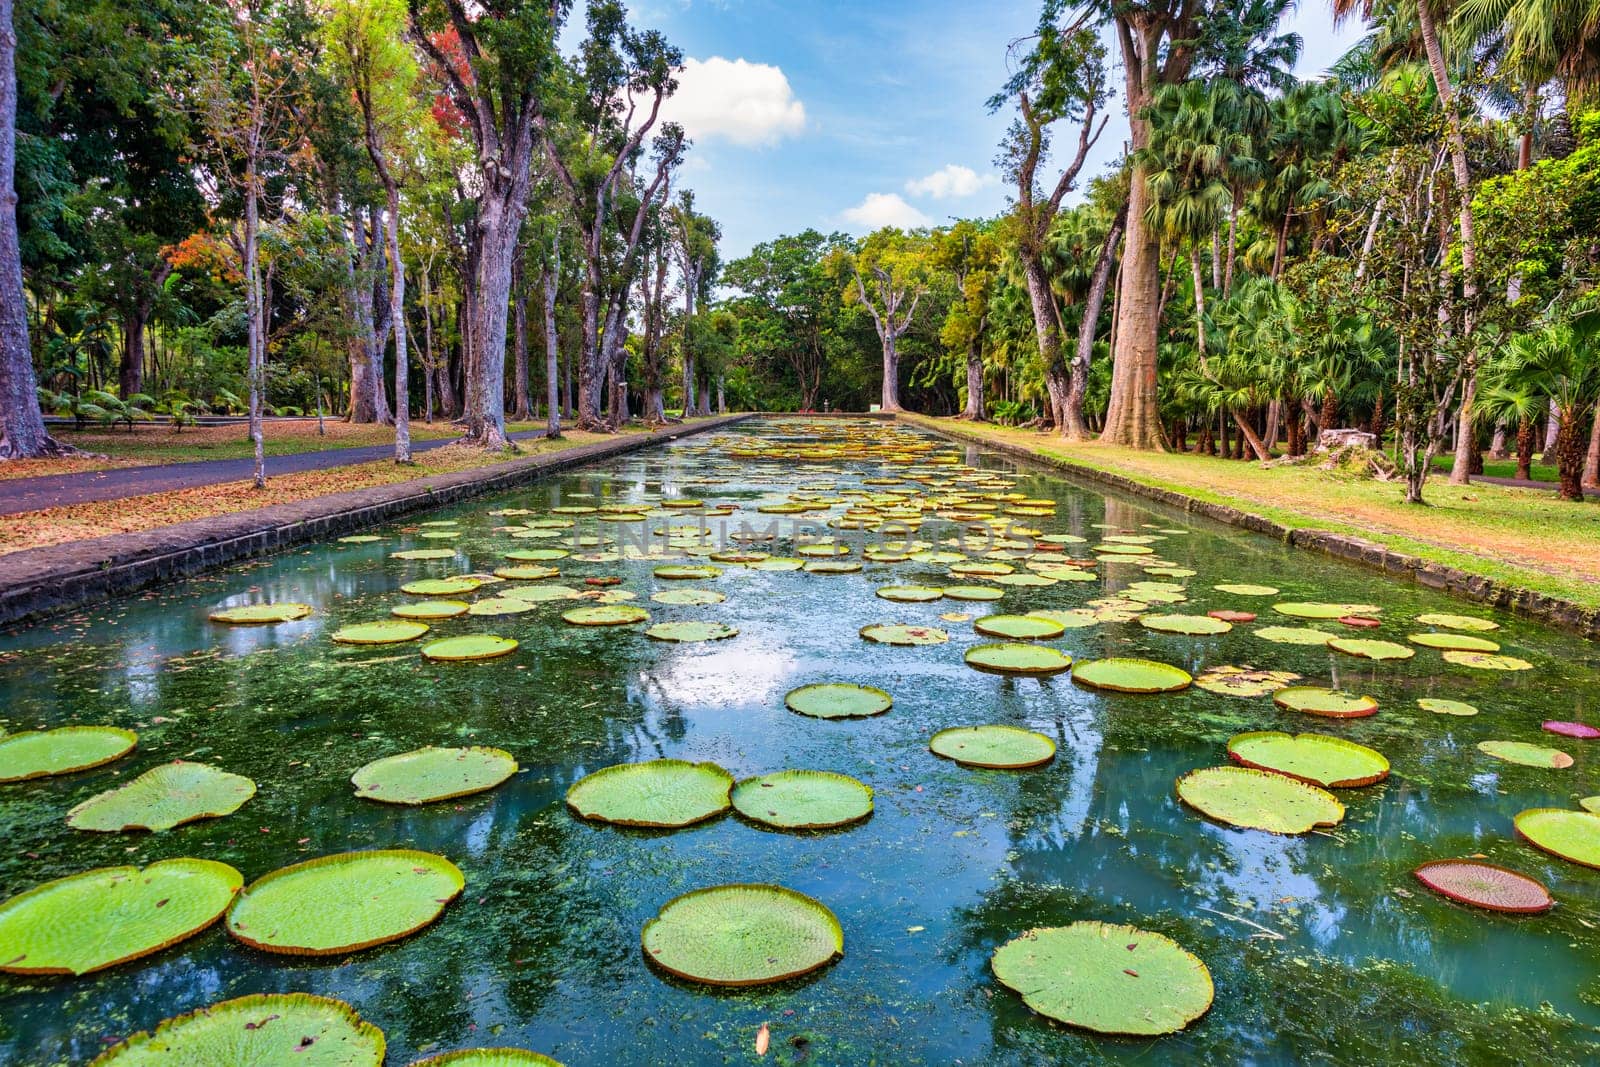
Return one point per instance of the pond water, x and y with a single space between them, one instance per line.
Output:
1323 947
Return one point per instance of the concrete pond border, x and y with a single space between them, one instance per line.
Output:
40 582
1553 611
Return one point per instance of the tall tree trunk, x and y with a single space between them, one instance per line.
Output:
499 224
1199 301
1330 411
722 403
256 328
1591 461
1248 434
1047 334
1133 417
397 320
552 347
1233 241
1076 428
974 409
130 375
891 372
1497 444
519 342
1525 449
1569 455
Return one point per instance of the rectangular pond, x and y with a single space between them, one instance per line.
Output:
1322 946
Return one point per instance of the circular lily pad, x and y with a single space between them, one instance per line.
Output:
293 1028
526 573
431 609
838 700
1446 707
1020 627
684 572
345 902
424 553
492 607
1579 730
1243 589
1011 657
469 647
489 1057
261 614
1331 762
43 753
687 632
803 800
1590 804
1106 978
742 935
605 615
1458 622
1360 622
537 555
542 594
825 566
1244 681
163 797
1313 610
1572 835
689 597
429 774
1195 625
660 793
1485 661
1131 675
886 633
359 539
995 746
1259 800
1380 650
1525 754
1458 642
385 632
1484 885
973 592
779 563
1293 635
1229 615
910 594
440 586
97 919
1328 703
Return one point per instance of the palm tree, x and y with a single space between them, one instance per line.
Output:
1561 364
1503 398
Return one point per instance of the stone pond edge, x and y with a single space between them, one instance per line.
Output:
37 583
1554 611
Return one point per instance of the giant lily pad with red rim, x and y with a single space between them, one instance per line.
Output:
1367 649
382 632
1106 978
1441 706
1122 675
1243 681
742 935
663 793
1458 622
973 592
1526 755
440 586
1454 642
431 609
489 1057
891 633
688 597
910 594
1326 703
1305 609
1191 625
1582 731
64 750
469 647
1485 885
691 631
430 774
1259 800
1293 635
803 800
686 572
994 746
424 554
270 1028
96 919
1232 616
1330 762
838 700
1245 589
345 902
605 615
163 797
1020 627
260 614
1012 657
1485 661
1572 835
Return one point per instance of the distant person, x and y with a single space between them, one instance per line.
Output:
824 404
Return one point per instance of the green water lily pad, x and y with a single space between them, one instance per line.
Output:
686 572
688 597
1369 649
1454 642
1572 835
43 753
1011 657
359 539
542 594
1485 661
489 1057
469 647
1328 703
537 555
1106 978
494 606
1131 675
660 793
779 563
838 700
1071 618
994 746
97 919
163 797
431 609
293 1028
693 631
1020 627
345 902
910 594
1244 681
424 553
1314 610
260 614
888 633
1194 625
526 573
430 774
1331 762
385 632
1245 589
1293 635
1259 800
1446 707
803 800
1525 754
605 615
1590 804
1023 580
973 592
1458 622
440 586
742 935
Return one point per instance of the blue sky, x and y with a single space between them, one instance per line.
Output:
848 115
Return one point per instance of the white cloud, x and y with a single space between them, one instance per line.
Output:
885 209
735 100
950 181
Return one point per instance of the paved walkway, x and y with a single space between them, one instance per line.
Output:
88 487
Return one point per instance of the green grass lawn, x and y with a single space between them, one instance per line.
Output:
1501 468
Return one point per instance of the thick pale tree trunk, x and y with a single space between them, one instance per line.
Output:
552 347
975 409
1497 444
1047 334
1074 426
130 374
256 330
1591 461
499 223
397 319
519 342
722 403
1133 417
891 373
